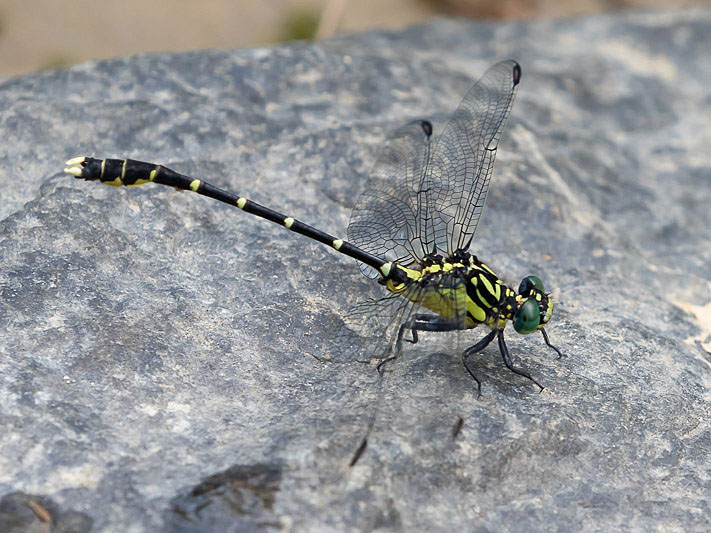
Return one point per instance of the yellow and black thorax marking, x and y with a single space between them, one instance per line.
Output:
459 287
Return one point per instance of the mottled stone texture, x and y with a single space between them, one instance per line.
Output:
160 357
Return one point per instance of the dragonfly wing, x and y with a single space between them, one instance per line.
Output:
386 220
369 330
462 160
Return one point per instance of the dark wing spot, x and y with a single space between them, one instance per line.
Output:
516 74
427 127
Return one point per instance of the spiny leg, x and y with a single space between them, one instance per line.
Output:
398 345
416 323
507 359
422 318
479 346
548 342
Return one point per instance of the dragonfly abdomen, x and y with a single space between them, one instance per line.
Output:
130 173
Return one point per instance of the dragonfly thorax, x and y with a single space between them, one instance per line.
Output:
465 290
459 287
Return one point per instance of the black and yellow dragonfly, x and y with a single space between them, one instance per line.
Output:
412 228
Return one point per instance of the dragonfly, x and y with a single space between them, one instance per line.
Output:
411 229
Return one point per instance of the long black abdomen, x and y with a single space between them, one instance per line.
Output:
129 173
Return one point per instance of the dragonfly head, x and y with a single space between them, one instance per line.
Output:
535 307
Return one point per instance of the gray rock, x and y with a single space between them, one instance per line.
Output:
25 513
239 499
152 339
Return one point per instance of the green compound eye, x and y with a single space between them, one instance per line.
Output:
528 283
527 318
536 282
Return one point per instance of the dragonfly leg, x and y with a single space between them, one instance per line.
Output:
420 319
479 346
548 342
415 324
507 359
419 322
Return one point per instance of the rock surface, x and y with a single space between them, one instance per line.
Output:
161 356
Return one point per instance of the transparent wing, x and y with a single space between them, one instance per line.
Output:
420 199
387 219
369 330
457 178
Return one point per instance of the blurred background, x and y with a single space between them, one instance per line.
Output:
41 34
